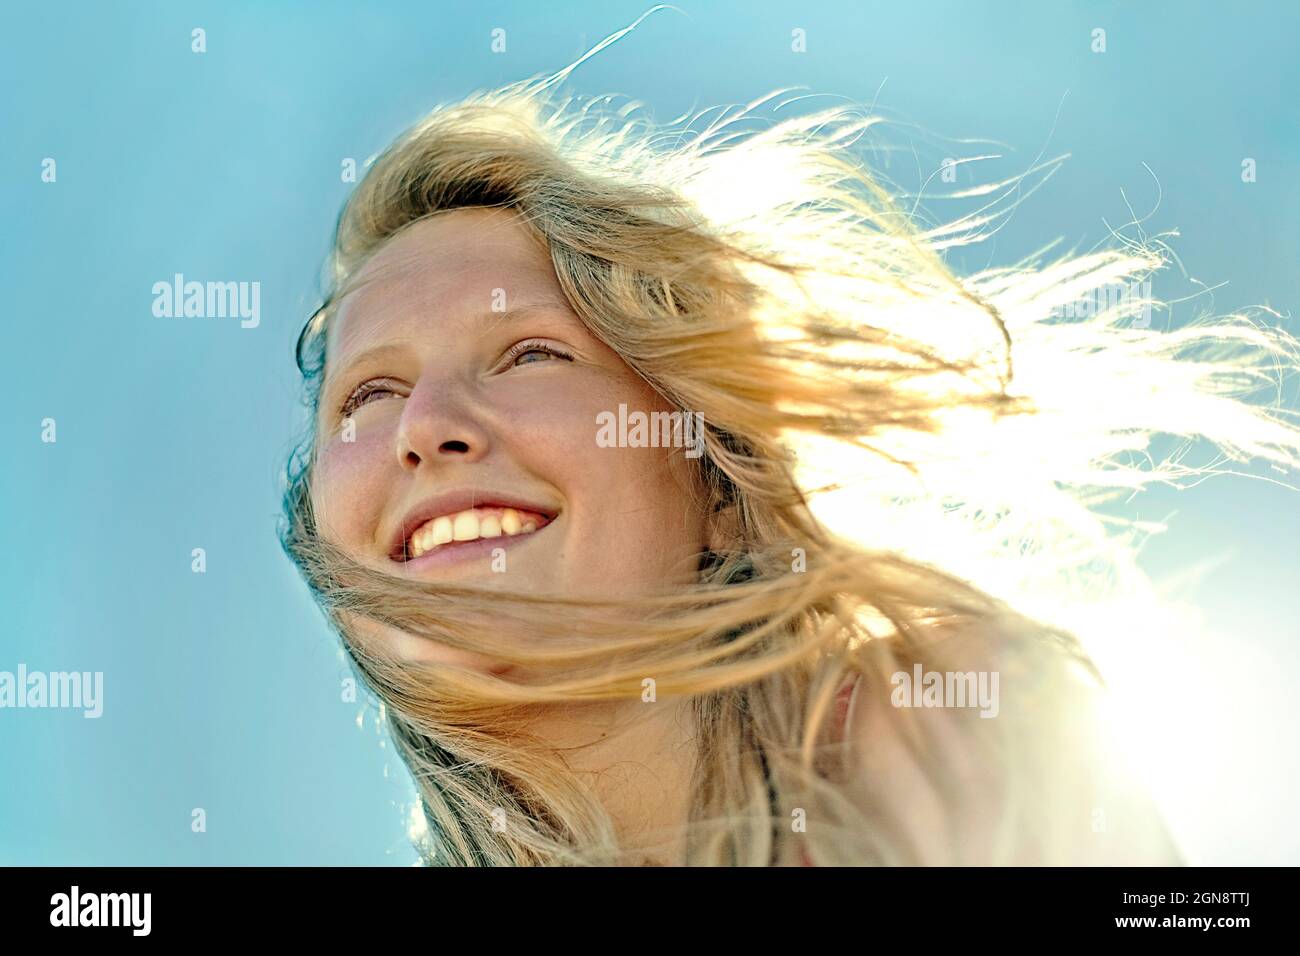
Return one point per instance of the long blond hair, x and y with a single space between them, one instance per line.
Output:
766 280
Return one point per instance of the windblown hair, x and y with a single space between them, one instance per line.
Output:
766 279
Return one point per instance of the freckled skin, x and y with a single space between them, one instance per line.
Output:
458 414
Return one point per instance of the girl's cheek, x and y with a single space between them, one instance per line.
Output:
549 426
348 484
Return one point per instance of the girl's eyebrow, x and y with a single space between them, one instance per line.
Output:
392 349
386 351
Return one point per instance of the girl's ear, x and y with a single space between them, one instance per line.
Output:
722 527
722 530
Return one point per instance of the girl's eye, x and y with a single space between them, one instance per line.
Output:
362 395
368 390
524 349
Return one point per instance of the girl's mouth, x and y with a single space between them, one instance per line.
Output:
473 532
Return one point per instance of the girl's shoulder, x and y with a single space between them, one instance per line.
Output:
997 746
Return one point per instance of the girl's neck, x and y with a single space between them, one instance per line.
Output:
638 760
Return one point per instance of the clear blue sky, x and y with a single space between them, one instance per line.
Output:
222 689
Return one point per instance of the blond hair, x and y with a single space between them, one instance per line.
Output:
769 282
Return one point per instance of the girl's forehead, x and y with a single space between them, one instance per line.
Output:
464 235
443 266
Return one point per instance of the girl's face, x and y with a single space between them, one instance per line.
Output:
460 404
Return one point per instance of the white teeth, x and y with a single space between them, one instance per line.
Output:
465 527
469 526
423 540
442 530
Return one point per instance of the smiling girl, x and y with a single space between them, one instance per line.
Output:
594 655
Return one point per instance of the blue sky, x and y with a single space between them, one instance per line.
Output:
222 688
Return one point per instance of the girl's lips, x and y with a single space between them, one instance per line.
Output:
450 505
456 552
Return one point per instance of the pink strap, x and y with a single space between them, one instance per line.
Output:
840 715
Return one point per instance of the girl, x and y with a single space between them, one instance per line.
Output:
737 643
